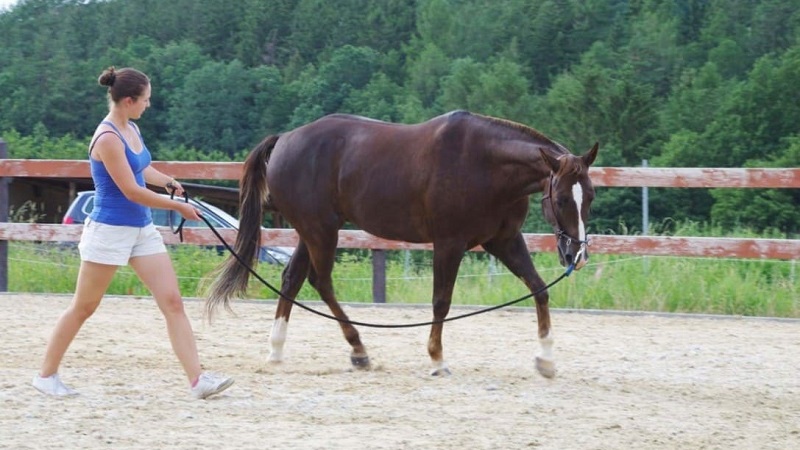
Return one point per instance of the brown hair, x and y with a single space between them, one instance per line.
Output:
123 83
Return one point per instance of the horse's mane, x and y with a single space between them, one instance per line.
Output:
536 134
568 166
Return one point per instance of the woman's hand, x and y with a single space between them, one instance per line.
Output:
188 212
174 188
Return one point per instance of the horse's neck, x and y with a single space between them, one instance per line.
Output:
523 161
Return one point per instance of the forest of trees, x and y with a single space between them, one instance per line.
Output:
681 83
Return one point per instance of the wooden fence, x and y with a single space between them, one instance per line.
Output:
783 249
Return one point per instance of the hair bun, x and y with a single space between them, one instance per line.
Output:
108 77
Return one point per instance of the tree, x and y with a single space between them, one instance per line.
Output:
730 58
377 100
695 100
435 26
324 90
546 45
768 105
763 209
425 73
775 25
168 68
215 109
653 51
592 103
502 91
318 27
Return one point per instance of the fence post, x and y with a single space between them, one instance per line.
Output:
492 268
3 218
378 276
645 206
645 218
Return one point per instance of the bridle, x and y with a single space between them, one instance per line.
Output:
563 240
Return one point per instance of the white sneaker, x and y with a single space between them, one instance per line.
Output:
53 385
209 384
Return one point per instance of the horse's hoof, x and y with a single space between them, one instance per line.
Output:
442 371
546 367
360 362
275 358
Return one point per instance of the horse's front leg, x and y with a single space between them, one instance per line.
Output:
514 254
545 363
446 261
294 274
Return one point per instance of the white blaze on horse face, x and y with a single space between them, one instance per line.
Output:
577 195
276 339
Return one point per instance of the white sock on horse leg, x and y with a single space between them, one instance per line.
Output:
547 346
277 338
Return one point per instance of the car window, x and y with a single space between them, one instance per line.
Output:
161 217
88 205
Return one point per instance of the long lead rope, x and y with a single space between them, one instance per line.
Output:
566 273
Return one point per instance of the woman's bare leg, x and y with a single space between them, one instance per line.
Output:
93 281
157 273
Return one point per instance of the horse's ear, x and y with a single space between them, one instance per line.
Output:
589 157
552 162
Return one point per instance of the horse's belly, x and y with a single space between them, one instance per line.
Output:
394 230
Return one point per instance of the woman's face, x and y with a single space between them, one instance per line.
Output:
141 103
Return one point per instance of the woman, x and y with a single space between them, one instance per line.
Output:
120 231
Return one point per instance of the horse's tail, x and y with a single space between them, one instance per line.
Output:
232 277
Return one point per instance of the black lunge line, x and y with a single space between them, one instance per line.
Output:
365 324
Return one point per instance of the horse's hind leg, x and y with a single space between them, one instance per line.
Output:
294 274
322 258
514 254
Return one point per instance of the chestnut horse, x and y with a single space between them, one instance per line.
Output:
458 181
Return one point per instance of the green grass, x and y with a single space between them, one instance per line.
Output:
608 282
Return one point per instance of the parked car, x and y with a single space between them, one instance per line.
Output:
82 206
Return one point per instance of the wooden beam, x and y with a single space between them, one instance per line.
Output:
784 178
694 177
710 247
68 168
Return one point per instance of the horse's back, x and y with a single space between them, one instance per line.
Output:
340 145
402 182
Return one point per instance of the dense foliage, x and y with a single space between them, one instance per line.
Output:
692 83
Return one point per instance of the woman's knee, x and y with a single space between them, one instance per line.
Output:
171 304
82 311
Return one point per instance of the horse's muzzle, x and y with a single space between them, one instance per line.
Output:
569 256
582 257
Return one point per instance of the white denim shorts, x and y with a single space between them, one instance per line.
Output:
115 245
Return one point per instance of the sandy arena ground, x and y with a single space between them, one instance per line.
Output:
624 382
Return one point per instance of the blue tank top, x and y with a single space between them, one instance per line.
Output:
110 204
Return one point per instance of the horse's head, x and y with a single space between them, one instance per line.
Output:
566 199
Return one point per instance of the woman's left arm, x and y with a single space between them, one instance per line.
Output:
157 178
